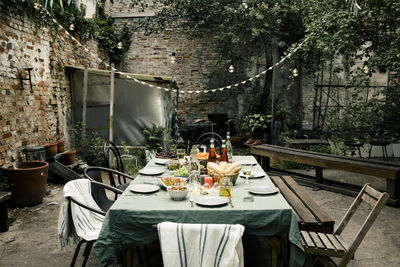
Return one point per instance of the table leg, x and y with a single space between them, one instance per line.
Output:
319 174
275 244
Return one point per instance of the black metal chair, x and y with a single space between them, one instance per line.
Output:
118 179
111 152
205 138
96 187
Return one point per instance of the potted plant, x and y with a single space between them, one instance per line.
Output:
255 124
154 137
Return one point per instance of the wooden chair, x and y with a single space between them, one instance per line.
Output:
324 246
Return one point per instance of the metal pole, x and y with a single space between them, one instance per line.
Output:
111 102
84 99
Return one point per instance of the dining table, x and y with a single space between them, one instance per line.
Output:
130 220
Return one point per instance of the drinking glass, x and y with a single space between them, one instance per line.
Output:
247 169
180 153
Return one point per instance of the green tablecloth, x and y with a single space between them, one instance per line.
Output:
129 221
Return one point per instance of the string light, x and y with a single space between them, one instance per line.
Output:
173 59
36 5
365 68
295 72
71 27
119 45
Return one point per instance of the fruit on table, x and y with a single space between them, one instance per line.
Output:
183 171
167 154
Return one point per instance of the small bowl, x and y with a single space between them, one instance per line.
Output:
178 192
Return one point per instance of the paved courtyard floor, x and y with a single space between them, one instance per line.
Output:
32 237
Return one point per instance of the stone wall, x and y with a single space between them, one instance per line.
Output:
42 116
197 66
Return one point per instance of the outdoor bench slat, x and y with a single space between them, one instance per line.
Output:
309 215
387 170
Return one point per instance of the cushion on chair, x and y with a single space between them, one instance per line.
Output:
201 244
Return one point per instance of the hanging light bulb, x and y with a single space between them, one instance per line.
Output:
365 68
231 68
71 27
295 72
119 45
36 5
173 59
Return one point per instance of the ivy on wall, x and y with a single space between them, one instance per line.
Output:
72 18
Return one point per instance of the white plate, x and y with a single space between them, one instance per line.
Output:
264 190
247 162
144 188
150 171
254 175
210 201
161 161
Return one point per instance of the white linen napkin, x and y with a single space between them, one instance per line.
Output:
201 245
85 224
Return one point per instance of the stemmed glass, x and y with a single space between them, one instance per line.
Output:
247 170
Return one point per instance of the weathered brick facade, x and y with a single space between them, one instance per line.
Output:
197 65
42 116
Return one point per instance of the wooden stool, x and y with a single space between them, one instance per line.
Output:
382 144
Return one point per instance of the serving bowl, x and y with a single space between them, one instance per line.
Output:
178 192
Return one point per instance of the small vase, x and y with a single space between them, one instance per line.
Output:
69 157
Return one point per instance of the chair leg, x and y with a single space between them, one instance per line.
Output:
78 247
86 252
139 255
369 153
359 152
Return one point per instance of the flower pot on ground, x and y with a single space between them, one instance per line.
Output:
28 183
51 150
60 146
69 157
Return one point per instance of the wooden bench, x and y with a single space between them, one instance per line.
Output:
309 215
387 170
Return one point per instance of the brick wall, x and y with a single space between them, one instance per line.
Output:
43 116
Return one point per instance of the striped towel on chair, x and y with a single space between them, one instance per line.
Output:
201 245
84 223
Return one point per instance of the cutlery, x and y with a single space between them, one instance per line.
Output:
230 199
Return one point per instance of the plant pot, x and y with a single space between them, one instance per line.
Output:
69 157
51 150
60 147
28 183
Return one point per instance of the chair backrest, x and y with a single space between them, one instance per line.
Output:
111 153
373 198
205 138
98 192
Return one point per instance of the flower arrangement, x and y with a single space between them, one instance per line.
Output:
255 122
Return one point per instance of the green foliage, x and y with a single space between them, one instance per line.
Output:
154 136
133 159
101 27
89 147
255 121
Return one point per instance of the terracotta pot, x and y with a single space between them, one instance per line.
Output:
69 157
28 183
51 150
60 147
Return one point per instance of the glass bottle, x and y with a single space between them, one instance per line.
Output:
229 149
194 164
223 156
212 157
